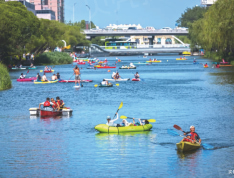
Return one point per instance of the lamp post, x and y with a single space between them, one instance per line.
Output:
74 12
89 16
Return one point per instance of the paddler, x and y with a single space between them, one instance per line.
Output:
22 76
77 75
137 76
58 76
117 76
38 77
47 105
194 61
206 65
55 105
54 77
111 122
113 74
44 79
46 68
194 135
60 103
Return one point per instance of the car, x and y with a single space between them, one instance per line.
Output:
150 28
166 28
182 28
132 28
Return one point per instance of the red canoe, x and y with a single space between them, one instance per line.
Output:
81 63
48 71
136 80
27 79
50 113
105 67
72 81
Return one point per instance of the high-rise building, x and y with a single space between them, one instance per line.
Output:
55 5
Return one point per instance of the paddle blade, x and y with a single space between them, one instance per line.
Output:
177 127
28 71
172 132
207 146
123 117
121 105
151 120
95 85
117 84
41 70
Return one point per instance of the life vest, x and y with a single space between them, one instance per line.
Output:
60 102
55 104
187 140
193 135
46 104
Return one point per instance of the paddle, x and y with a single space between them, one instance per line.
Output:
205 145
139 78
115 84
120 106
125 117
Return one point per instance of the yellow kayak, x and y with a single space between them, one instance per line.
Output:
186 53
42 82
153 61
187 146
205 66
178 59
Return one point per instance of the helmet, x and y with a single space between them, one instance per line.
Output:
108 117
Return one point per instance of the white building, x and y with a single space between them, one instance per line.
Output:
208 2
123 26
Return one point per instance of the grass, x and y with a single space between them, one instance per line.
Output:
5 80
53 58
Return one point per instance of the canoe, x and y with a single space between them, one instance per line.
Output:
50 113
26 79
48 71
104 67
117 80
225 65
187 146
153 61
100 85
72 81
40 82
81 63
127 67
32 68
136 80
141 63
103 128
205 66
178 59
18 68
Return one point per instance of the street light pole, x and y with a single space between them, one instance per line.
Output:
74 12
89 16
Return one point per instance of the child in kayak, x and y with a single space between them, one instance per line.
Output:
22 76
111 122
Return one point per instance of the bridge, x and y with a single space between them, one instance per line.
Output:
102 32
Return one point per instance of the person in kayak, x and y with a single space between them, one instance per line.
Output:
188 138
22 76
47 105
60 103
54 77
46 68
77 75
58 76
194 135
105 82
117 76
137 76
206 65
194 61
38 77
113 75
44 79
111 122
55 105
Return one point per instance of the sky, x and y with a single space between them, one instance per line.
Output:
156 13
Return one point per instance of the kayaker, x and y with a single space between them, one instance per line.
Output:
54 77
77 75
46 68
113 75
55 105
60 103
137 75
217 65
31 66
22 76
194 61
117 76
38 77
111 122
58 76
47 105
131 65
194 135
206 65
44 79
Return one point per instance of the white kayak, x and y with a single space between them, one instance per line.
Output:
76 86
117 80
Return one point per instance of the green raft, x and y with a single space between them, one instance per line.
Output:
187 146
103 128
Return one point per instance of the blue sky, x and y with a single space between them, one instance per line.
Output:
156 13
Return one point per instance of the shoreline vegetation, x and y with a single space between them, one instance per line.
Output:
211 28
5 80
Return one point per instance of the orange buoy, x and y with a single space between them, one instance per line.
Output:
108 71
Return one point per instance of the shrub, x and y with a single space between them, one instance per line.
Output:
5 80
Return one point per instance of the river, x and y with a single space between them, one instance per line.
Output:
173 92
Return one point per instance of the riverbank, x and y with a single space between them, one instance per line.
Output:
5 80
53 58
218 57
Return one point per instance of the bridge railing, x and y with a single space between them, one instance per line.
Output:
145 46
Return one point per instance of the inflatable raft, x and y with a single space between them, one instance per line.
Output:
41 82
117 80
103 128
136 80
205 66
110 85
153 61
81 63
26 79
187 146
181 59
48 71
128 67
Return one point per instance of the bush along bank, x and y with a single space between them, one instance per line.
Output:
53 58
5 80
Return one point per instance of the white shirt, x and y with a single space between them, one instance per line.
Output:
103 83
44 78
111 123
53 77
22 76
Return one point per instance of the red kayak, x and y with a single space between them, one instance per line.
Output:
105 67
50 113
72 81
27 79
48 71
136 80
81 63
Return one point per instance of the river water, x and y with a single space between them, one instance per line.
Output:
173 92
